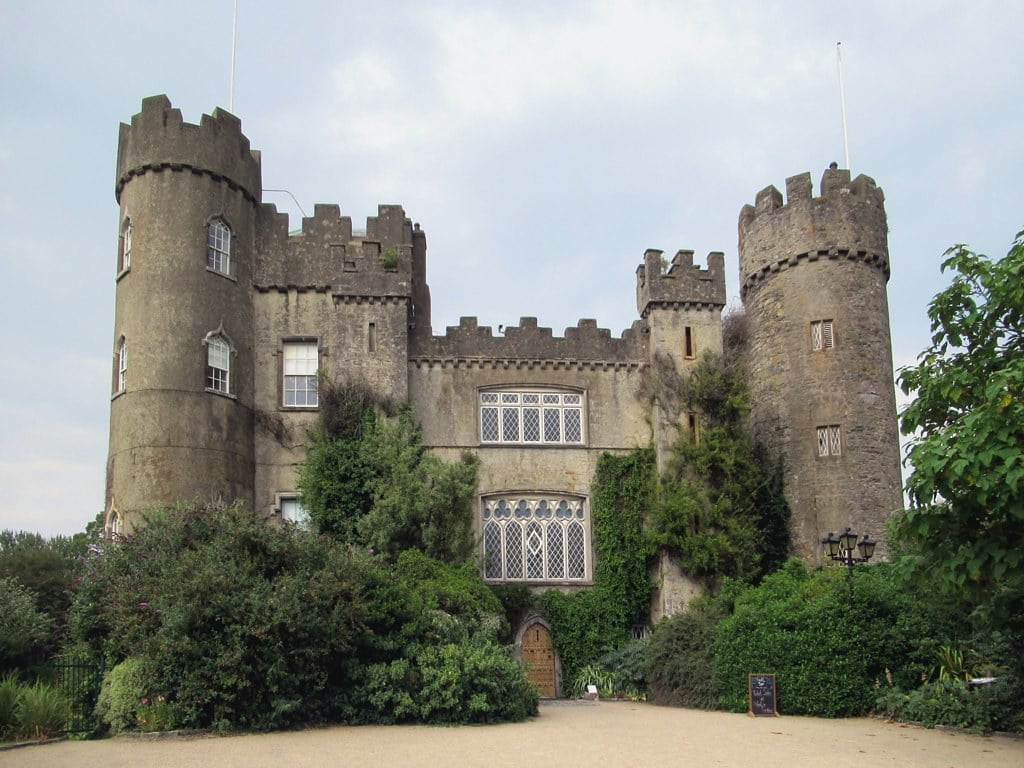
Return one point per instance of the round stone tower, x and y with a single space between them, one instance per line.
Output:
813 275
181 420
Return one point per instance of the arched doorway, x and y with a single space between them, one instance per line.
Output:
537 653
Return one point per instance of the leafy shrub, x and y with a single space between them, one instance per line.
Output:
124 687
627 668
596 675
43 711
680 659
240 624
949 701
25 628
475 681
827 651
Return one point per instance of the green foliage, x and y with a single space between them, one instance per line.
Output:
596 675
43 711
628 668
240 624
965 527
587 624
828 652
720 510
124 687
472 681
25 628
10 693
949 701
390 258
680 659
368 480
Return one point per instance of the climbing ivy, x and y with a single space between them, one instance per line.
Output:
587 624
720 510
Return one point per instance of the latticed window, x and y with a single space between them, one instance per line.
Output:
531 417
218 364
218 247
534 539
822 335
126 246
301 362
830 441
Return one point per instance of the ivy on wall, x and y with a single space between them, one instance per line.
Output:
587 624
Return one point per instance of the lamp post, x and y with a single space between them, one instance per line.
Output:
841 548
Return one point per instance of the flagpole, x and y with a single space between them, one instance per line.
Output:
842 101
234 37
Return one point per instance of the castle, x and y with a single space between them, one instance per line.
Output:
223 320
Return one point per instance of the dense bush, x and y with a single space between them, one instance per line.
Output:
236 622
233 623
42 711
124 688
950 701
829 652
680 659
10 692
25 628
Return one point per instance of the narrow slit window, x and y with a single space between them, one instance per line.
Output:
371 337
689 348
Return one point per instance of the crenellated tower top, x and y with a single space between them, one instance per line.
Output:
847 221
681 283
158 139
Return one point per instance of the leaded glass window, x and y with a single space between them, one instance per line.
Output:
532 417
830 442
534 538
822 336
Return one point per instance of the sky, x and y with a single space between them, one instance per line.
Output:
542 146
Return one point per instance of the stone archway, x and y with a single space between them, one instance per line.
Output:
537 652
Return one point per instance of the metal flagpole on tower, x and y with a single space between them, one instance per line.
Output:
842 101
234 37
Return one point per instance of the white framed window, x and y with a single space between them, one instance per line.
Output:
301 361
125 259
122 365
292 511
218 364
830 440
553 418
218 246
822 335
535 538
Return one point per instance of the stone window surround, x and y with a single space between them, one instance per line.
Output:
823 334
220 335
283 500
220 251
829 440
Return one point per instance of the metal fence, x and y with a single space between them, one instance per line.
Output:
80 682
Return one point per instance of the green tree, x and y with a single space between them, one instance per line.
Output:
22 627
965 524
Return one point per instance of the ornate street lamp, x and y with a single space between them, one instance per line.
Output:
842 549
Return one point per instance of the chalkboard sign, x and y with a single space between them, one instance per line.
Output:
762 695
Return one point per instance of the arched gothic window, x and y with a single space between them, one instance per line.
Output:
125 259
218 363
536 538
121 382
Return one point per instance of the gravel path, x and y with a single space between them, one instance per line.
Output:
565 734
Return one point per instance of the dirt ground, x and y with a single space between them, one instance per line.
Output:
565 734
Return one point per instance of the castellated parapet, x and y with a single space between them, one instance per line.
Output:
159 140
680 283
847 221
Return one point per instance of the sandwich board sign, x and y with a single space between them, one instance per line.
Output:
761 696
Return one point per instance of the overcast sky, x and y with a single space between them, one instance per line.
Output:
541 145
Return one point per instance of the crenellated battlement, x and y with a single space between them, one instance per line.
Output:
528 341
680 283
848 217
158 139
325 252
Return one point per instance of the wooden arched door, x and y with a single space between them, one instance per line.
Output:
538 655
